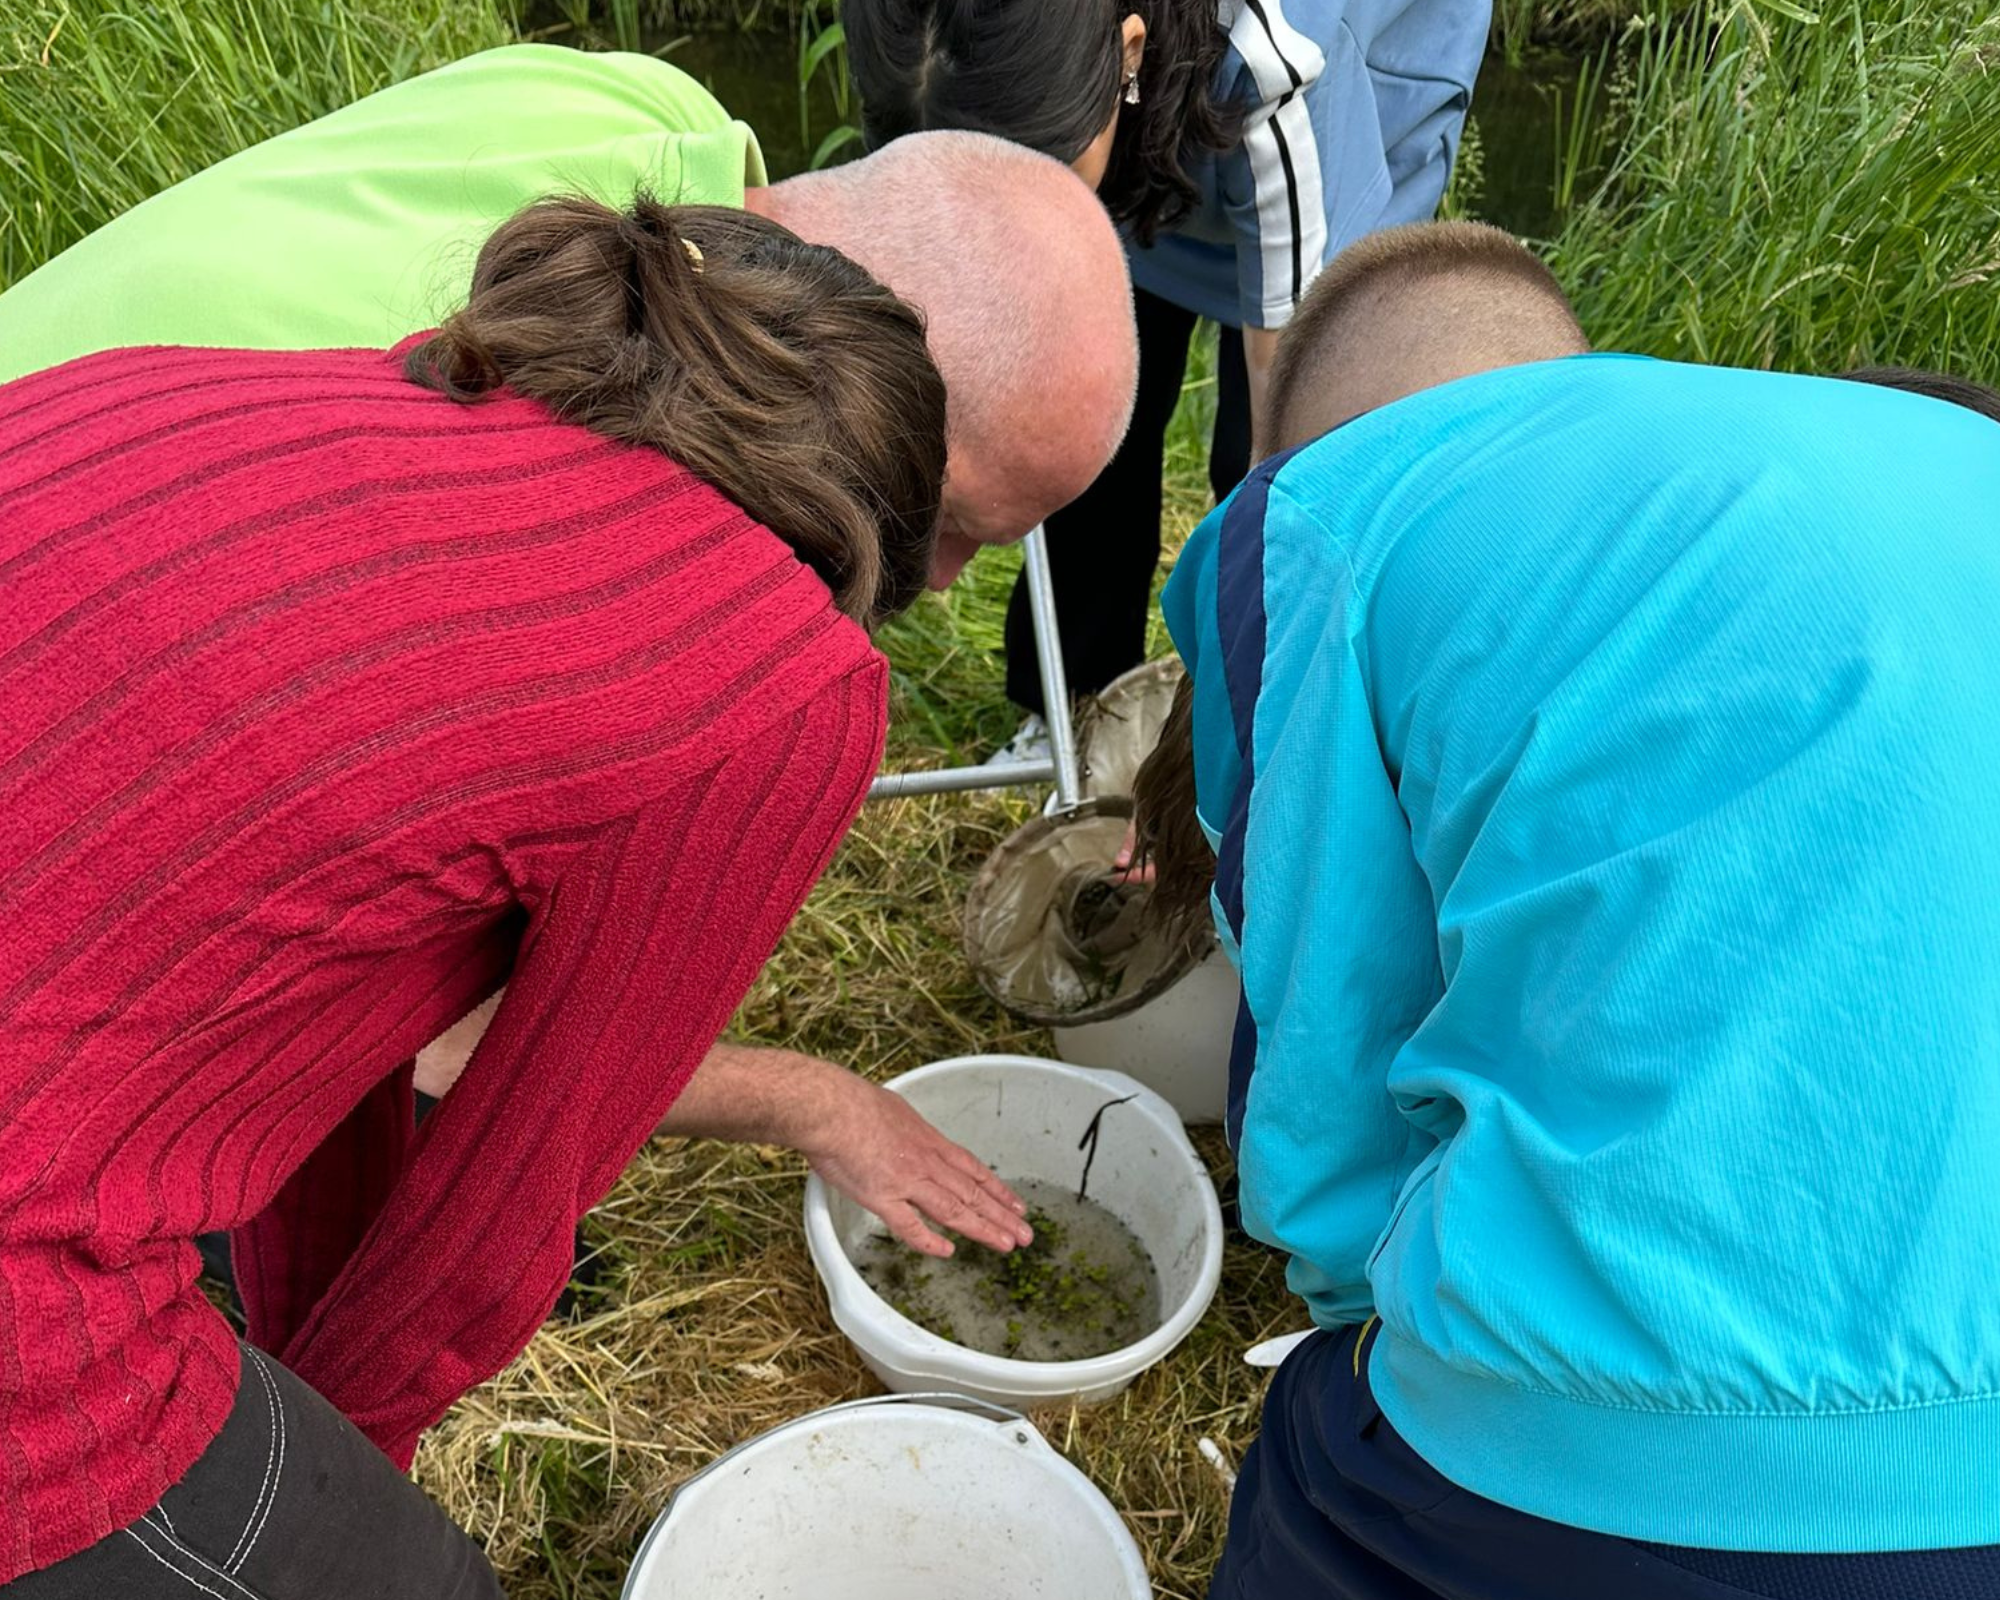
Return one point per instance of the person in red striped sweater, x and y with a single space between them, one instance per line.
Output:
339 685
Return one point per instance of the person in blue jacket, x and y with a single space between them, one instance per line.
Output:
1597 782
1241 144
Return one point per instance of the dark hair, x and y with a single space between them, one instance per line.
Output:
1937 385
1167 831
776 371
1046 74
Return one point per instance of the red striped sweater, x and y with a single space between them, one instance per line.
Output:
325 705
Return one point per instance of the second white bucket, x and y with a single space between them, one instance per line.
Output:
927 1498
1027 1118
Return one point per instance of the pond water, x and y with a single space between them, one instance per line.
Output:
1084 1287
1518 111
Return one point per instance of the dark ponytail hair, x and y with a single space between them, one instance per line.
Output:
1936 385
1047 74
778 372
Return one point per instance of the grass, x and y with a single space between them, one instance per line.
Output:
1520 25
628 21
1517 24
103 102
1802 191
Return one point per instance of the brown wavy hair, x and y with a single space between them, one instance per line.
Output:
1166 830
778 372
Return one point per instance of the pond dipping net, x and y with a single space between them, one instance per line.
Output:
1052 930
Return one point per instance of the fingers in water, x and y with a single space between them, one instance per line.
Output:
930 1244
992 1198
989 1180
978 1217
908 1225
1014 1227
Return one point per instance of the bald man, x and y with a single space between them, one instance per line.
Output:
1602 767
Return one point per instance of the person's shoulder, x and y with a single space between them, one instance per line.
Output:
1277 47
741 571
1317 20
226 425
190 378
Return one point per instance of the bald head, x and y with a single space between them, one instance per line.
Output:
1408 309
1022 280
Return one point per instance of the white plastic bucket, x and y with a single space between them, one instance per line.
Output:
1025 1117
919 1498
1177 1043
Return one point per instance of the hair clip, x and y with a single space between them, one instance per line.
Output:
694 253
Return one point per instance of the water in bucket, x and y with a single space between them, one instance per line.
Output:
1085 1286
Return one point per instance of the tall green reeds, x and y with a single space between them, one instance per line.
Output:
1812 190
1519 25
823 55
104 102
626 22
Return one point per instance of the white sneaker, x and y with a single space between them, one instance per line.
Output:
1030 743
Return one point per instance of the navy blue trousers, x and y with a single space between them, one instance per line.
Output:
1333 1505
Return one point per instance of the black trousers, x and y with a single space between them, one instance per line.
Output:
290 1502
1104 547
1334 1505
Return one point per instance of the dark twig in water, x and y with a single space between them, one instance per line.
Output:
1088 1143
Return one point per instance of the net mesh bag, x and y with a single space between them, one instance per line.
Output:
1053 931
1116 730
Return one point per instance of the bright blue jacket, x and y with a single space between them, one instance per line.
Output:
1603 759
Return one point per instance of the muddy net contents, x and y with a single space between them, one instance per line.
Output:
1057 935
1084 1287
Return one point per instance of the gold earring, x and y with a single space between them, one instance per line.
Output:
1132 87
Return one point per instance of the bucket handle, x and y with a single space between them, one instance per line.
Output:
942 1399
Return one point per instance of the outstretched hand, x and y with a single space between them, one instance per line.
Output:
879 1152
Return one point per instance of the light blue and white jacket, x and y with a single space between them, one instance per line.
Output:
1352 112
1603 761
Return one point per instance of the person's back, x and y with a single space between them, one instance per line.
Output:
343 686
302 728
1682 692
1608 794
362 226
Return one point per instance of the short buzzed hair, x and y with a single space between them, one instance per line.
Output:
1412 307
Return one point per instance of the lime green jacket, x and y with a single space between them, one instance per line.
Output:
363 226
